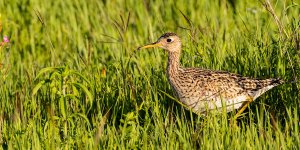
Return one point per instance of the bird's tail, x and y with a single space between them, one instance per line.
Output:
264 85
276 81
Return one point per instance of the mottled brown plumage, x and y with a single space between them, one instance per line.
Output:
203 89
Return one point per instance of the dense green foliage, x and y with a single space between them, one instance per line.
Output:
71 78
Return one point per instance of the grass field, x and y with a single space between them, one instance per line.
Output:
71 77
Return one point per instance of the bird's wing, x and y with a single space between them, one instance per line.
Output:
230 85
218 83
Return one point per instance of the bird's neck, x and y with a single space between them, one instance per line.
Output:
173 63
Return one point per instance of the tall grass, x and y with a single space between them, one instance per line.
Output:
71 78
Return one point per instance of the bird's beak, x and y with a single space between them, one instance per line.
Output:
155 44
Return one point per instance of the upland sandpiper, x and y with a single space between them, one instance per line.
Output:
202 90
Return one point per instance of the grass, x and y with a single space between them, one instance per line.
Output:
71 78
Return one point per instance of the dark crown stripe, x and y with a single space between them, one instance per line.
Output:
168 34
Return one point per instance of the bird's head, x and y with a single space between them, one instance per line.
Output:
168 41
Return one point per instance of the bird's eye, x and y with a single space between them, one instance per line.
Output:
169 40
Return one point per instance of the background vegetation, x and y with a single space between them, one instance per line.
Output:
71 78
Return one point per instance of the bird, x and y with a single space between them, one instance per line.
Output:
204 90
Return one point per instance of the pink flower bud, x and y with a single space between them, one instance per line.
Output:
5 39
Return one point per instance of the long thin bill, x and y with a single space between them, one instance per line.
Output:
149 46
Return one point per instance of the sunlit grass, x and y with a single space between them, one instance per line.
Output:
71 76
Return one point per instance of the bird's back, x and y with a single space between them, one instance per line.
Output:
202 89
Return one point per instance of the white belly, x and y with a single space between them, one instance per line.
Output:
203 105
